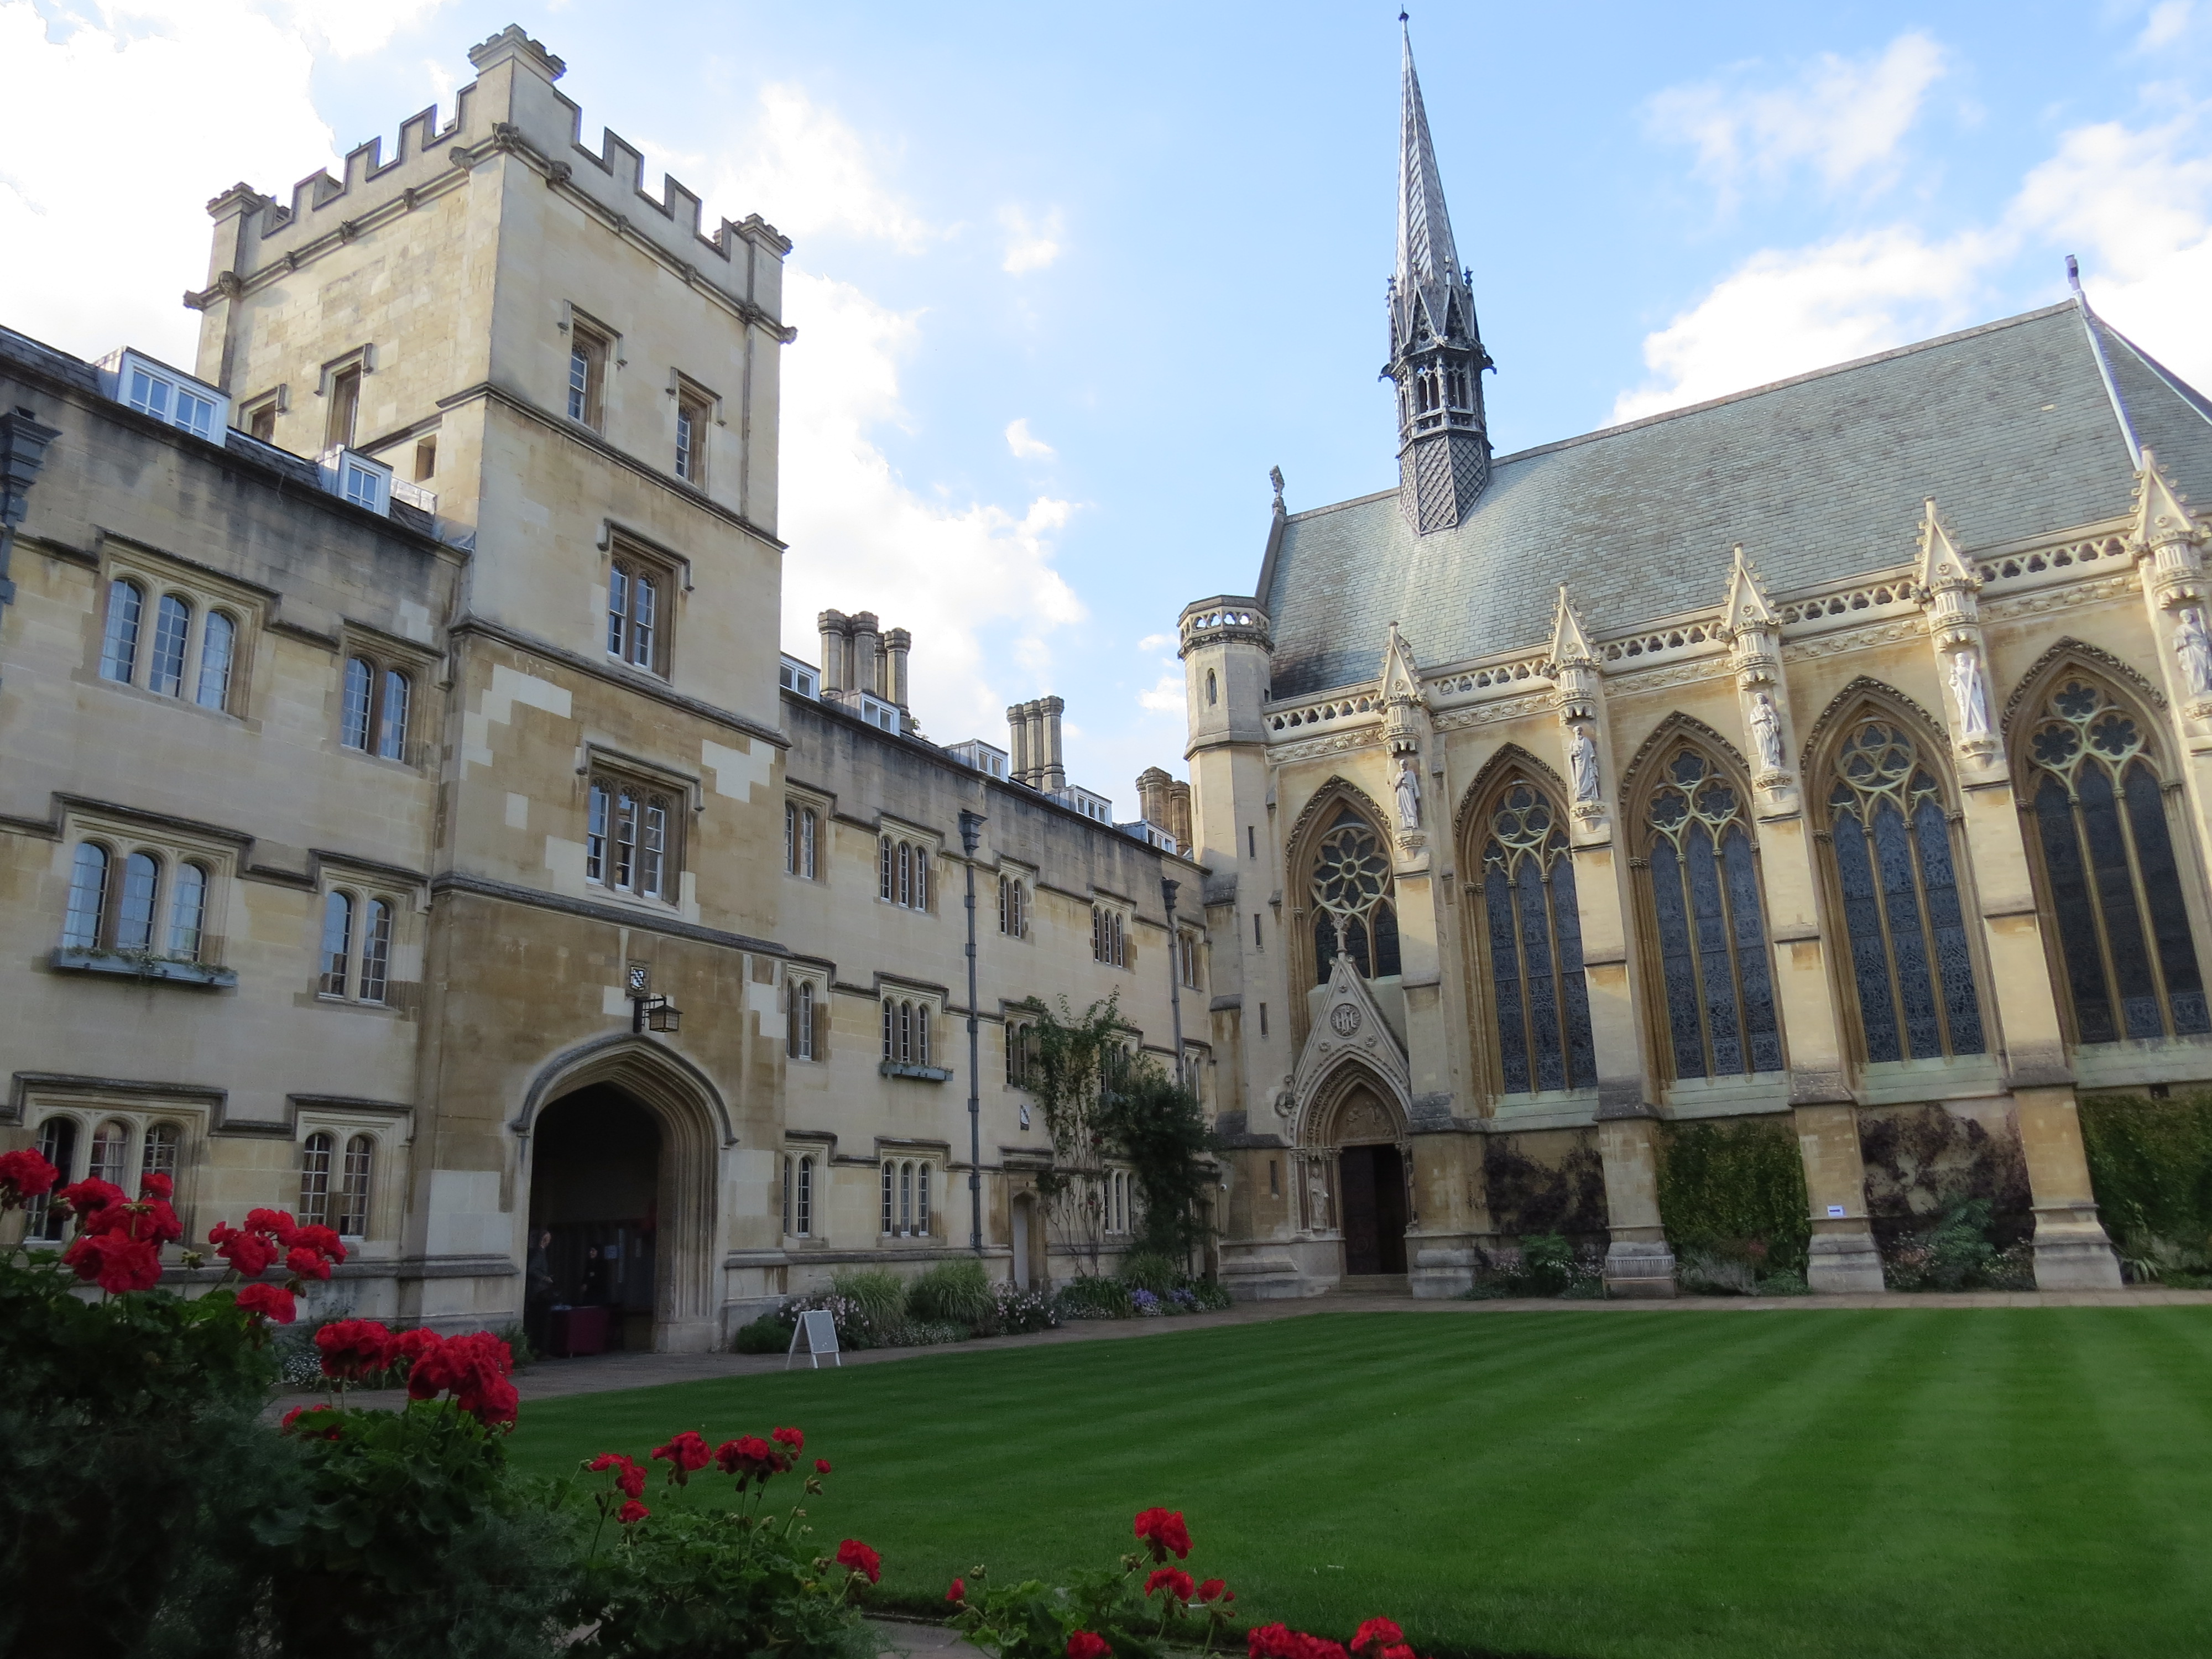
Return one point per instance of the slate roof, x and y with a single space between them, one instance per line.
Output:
1821 478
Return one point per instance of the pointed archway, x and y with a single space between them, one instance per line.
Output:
621 1143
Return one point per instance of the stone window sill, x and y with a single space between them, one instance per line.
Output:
919 1073
171 970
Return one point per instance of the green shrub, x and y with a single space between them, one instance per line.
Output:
1546 1264
2150 1165
1208 1293
878 1295
1148 1270
1091 1298
1736 1192
955 1292
769 1334
1955 1254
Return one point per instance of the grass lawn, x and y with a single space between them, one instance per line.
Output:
1922 1482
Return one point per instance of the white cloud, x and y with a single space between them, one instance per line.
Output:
2168 22
1166 696
2137 206
1784 312
1029 246
113 205
1156 642
972 580
1844 118
1025 445
807 172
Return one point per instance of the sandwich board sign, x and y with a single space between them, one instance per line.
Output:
816 1335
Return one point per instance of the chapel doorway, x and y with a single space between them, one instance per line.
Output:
595 1187
1371 1180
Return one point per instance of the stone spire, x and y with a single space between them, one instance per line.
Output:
1437 357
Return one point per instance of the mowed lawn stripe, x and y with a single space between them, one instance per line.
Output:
1795 1485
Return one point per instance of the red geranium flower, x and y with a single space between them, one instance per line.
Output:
89 1195
115 1261
821 1465
958 1592
154 1184
327 1432
1214 1591
1171 1578
1384 1630
307 1264
684 1452
25 1176
749 1458
269 1301
1087 1644
1165 1533
860 1559
1401 1651
354 1348
791 1437
631 1512
473 1368
277 1224
629 1477
247 1251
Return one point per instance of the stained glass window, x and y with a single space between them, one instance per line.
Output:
1535 934
1712 935
1352 910
2111 880
1911 969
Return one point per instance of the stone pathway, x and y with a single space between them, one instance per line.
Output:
554 1379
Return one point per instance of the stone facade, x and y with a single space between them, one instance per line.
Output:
399 787
1505 876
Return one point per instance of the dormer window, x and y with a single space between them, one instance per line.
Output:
169 395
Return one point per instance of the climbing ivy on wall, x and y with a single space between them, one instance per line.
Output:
2150 1164
1528 1197
1725 1186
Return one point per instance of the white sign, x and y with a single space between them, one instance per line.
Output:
818 1330
1835 1212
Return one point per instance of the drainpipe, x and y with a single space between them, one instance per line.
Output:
971 833
1169 887
23 441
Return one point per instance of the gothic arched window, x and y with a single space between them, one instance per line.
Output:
1709 927
1350 887
1533 935
2111 882
1890 838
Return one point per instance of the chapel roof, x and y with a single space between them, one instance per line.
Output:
1821 478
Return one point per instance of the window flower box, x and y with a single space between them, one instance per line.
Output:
140 964
921 1074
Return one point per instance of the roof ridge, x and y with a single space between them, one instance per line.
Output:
1872 358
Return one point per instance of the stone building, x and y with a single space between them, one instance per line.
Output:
1833 751
407 817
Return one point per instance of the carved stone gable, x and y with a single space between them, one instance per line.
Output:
1349 1029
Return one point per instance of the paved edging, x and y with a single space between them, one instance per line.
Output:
555 1379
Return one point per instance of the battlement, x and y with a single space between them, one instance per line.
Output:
511 109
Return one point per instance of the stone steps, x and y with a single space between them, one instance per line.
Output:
1375 1285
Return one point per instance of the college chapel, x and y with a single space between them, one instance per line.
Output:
408 818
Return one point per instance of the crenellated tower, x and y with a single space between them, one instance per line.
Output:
1437 357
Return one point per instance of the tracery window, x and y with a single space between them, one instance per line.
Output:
1352 896
1110 936
1911 966
353 1187
1711 932
315 1154
903 874
906 1031
1533 935
1014 908
799 825
2111 881
629 831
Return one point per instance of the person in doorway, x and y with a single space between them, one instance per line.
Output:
538 1292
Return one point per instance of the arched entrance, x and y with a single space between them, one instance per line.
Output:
624 1144
595 1209
1371 1184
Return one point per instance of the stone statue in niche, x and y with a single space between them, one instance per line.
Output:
1408 786
1766 733
1582 760
2194 647
1970 695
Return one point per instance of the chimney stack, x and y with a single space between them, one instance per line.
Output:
1165 804
897 643
837 646
867 654
1017 742
1056 773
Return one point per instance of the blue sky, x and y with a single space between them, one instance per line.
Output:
1069 280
